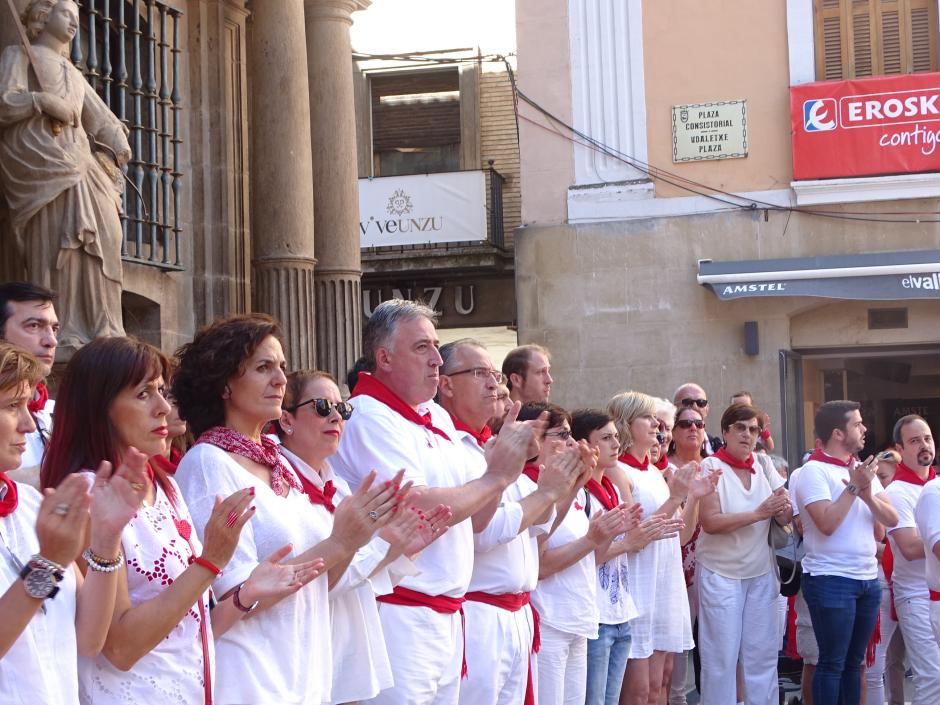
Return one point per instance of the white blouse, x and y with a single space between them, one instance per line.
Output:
156 553
40 667
282 655
613 578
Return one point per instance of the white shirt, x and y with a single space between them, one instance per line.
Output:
28 471
909 577
927 519
744 552
360 660
614 602
850 551
377 437
41 666
156 554
281 655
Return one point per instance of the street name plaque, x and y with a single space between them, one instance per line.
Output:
704 131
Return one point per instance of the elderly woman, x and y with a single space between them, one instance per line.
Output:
656 584
659 453
159 639
230 385
64 198
49 612
310 429
737 585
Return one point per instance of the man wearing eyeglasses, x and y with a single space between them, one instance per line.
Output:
528 374
397 425
689 394
914 441
28 320
500 623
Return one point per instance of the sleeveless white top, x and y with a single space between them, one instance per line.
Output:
40 666
613 578
173 672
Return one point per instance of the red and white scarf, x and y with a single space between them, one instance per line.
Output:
371 387
38 402
264 453
10 499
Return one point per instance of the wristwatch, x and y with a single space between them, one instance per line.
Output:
852 489
238 603
41 577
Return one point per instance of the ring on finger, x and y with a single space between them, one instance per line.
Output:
231 519
61 509
138 486
374 515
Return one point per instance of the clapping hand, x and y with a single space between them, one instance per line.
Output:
117 496
413 530
370 508
273 579
62 518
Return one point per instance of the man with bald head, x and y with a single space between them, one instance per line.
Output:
690 394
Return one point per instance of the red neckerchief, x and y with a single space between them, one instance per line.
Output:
481 437
10 499
264 453
724 456
906 474
663 462
817 454
318 496
168 465
604 491
531 471
371 387
633 462
38 403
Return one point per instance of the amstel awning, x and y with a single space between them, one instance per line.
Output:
876 276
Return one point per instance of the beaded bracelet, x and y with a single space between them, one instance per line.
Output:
102 565
207 564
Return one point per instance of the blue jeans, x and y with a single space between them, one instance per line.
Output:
606 663
844 612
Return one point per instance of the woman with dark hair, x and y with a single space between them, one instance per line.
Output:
737 585
688 437
607 654
49 613
159 639
310 429
565 596
230 385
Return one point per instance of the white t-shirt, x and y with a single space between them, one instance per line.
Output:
567 600
281 655
744 552
909 577
850 551
41 666
927 519
614 602
379 438
174 670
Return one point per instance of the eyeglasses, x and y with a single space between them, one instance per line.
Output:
700 403
480 373
664 427
741 427
689 423
886 455
324 407
561 435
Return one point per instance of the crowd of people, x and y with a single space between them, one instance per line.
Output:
216 528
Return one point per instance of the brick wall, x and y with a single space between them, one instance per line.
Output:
498 142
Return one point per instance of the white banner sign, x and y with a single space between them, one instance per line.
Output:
424 208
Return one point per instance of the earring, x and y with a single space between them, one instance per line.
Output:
226 393
288 431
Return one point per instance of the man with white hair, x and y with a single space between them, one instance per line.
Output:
395 426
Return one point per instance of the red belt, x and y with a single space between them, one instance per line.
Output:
438 603
513 602
934 596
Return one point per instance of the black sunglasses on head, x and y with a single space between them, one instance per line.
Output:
700 403
324 407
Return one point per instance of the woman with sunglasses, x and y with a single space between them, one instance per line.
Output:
310 429
229 385
737 584
688 437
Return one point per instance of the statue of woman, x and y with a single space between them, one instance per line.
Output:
64 199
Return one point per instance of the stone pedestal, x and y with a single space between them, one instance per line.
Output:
281 176
335 175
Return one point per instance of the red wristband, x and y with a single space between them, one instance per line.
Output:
207 564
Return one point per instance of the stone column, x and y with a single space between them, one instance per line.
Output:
335 176
281 175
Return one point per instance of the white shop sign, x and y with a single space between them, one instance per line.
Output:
423 208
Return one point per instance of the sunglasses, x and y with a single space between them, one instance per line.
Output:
700 403
689 423
324 407
561 435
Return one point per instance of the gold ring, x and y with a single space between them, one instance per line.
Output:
137 486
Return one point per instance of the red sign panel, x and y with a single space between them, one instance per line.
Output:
866 127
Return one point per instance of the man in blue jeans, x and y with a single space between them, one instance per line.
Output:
840 500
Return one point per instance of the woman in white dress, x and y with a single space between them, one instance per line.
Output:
310 429
656 582
229 386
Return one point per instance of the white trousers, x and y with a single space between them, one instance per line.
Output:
562 668
875 674
922 648
737 619
498 646
425 649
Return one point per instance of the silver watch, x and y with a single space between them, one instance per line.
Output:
41 577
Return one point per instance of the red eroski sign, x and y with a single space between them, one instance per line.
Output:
866 127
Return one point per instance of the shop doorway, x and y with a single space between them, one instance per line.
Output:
889 382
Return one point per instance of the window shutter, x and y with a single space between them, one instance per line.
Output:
892 38
830 47
862 62
924 37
